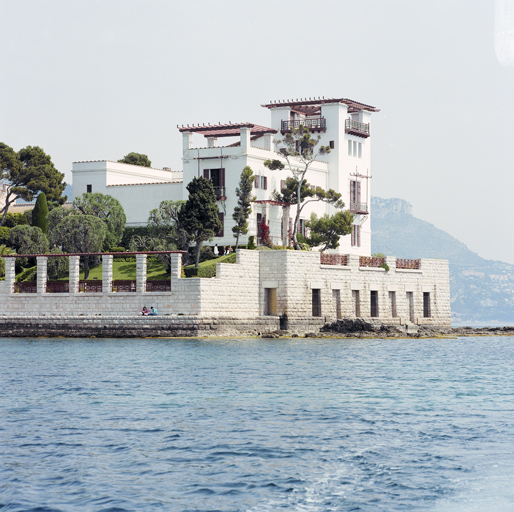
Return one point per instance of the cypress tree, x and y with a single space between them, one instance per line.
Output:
40 213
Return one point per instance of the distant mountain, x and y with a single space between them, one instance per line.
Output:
482 291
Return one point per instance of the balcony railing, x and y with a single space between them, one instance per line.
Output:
356 128
358 207
318 124
57 287
371 261
123 286
158 286
25 287
94 286
408 264
220 193
334 259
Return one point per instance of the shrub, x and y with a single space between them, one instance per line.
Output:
206 253
15 219
4 235
28 274
129 232
58 267
117 249
251 242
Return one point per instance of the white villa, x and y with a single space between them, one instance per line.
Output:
342 124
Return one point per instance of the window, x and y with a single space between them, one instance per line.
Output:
316 302
374 304
270 307
264 182
354 148
89 189
349 148
360 149
410 305
356 299
221 217
427 313
332 145
301 227
355 195
217 176
392 304
336 295
356 236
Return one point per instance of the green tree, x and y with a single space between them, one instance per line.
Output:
298 149
53 219
80 233
28 172
15 219
28 240
199 216
136 159
243 209
326 230
40 213
106 208
58 267
4 251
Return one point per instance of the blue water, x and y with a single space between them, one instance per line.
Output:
257 425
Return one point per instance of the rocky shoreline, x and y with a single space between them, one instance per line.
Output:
362 329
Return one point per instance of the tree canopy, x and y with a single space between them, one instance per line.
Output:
80 233
298 150
199 216
28 240
136 159
326 230
243 209
28 172
107 209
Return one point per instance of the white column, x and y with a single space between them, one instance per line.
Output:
107 273
74 273
42 273
245 139
187 141
176 265
140 273
10 274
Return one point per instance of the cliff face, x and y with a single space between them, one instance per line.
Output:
481 290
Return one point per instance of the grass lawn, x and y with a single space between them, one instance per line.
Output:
126 270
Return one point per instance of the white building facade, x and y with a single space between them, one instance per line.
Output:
342 124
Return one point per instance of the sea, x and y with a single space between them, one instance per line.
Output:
257 425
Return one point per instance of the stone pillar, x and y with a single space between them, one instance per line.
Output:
353 261
107 273
74 273
390 261
42 273
212 142
10 274
176 265
141 273
187 141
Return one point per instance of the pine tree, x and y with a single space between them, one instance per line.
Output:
244 198
40 213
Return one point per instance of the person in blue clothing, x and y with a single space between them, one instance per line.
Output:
153 311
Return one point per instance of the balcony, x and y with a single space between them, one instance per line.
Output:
220 193
358 208
318 124
356 128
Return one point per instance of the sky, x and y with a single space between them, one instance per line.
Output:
97 79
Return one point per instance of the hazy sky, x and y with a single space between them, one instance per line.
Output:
93 80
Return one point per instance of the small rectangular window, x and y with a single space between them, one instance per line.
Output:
264 182
356 299
270 307
360 149
89 189
427 313
349 148
392 303
410 305
316 302
374 304
354 148
332 145
256 184
356 236
336 295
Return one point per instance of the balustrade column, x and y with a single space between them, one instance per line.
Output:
42 273
10 274
390 261
74 273
141 273
176 265
107 273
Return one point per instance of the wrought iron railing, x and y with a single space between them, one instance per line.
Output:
408 264
220 192
123 286
356 128
57 287
158 286
25 287
334 259
90 286
358 207
371 261
316 124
